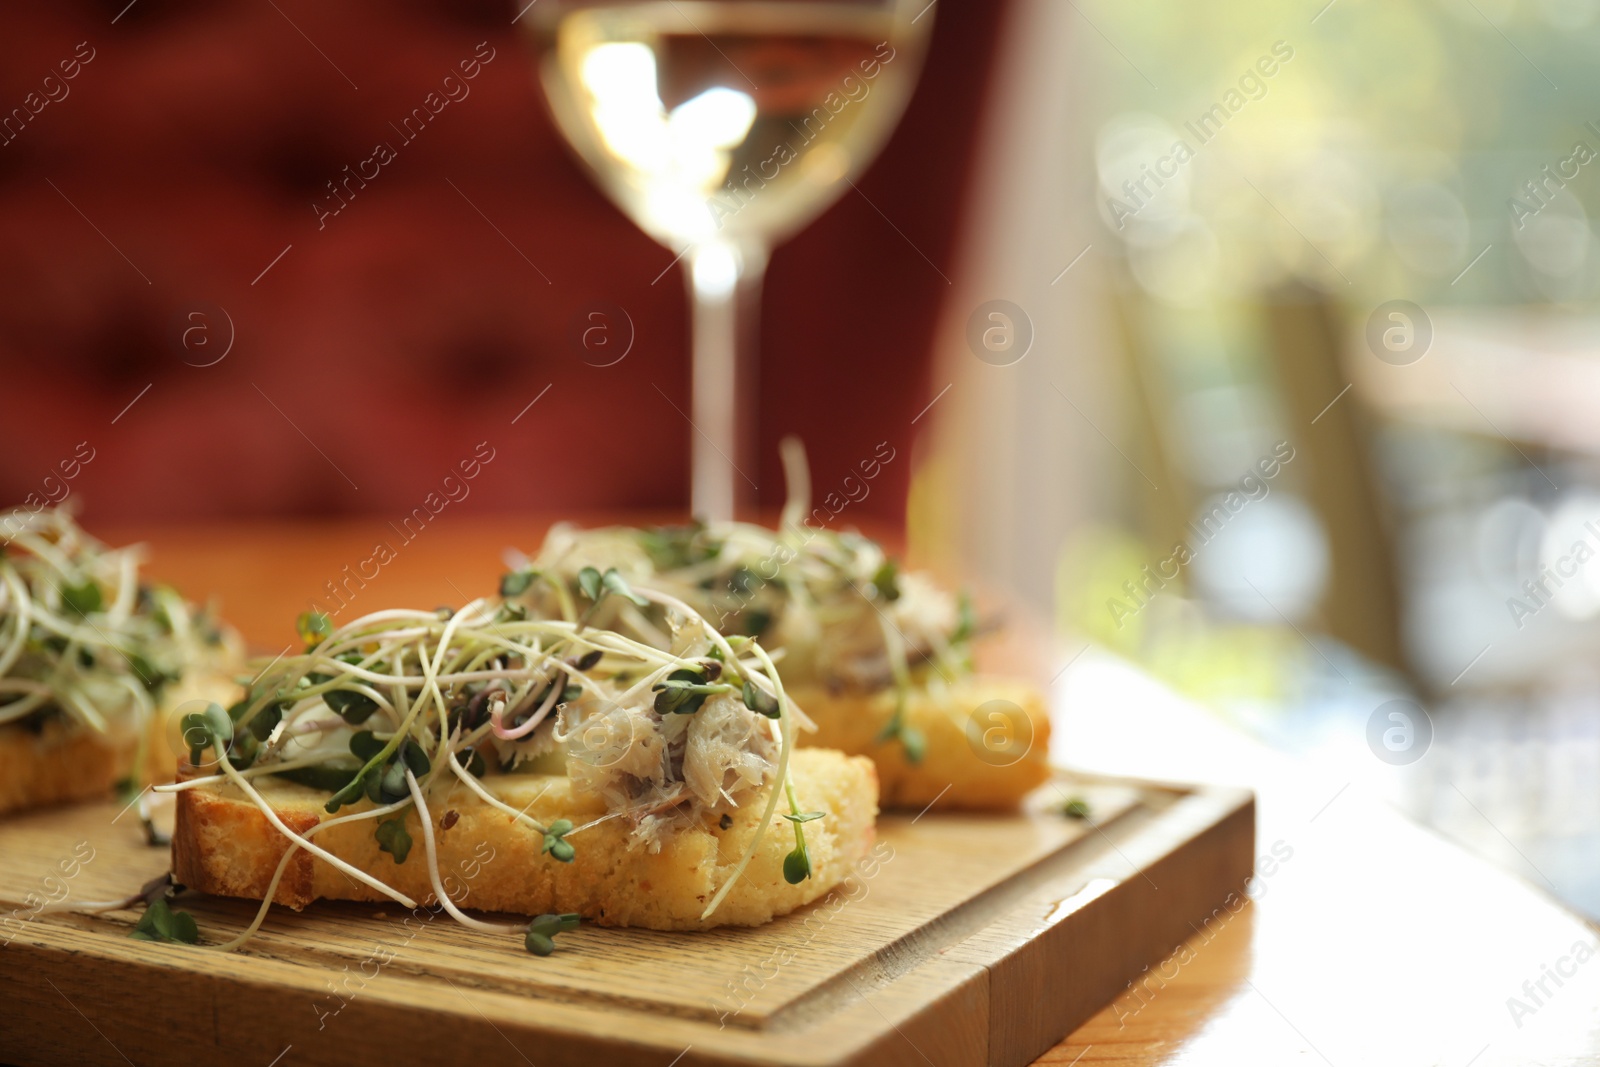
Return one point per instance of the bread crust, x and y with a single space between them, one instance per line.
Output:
223 844
976 758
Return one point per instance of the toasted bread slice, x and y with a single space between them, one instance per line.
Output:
63 763
223 844
58 764
987 740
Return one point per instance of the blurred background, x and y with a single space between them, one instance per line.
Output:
1252 343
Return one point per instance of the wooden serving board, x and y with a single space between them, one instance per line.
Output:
966 939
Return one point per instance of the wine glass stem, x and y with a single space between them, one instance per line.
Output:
725 289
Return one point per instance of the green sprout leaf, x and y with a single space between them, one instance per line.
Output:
327 778
612 582
384 783
550 925
760 701
1075 808
364 746
348 795
672 547
597 586
797 865
910 738
354 708
517 582
83 598
243 749
314 627
915 745
266 719
542 931
392 785
149 674
393 838
683 691
127 789
194 735
555 842
161 923
741 580
589 582
374 784
212 728
887 580
966 621
416 758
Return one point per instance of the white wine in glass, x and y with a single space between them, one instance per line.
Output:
721 127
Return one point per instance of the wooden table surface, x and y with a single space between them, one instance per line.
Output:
1370 940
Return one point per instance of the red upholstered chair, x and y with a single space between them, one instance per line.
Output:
164 196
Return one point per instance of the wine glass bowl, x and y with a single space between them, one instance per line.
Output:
721 127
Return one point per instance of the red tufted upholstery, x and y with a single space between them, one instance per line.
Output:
381 348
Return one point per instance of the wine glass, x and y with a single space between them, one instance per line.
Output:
721 127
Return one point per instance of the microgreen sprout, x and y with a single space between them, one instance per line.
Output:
517 582
1075 807
886 580
597 586
683 691
912 741
672 547
209 728
160 923
555 843
352 706
966 621
540 939
759 700
83 642
82 599
393 838
313 627
797 864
